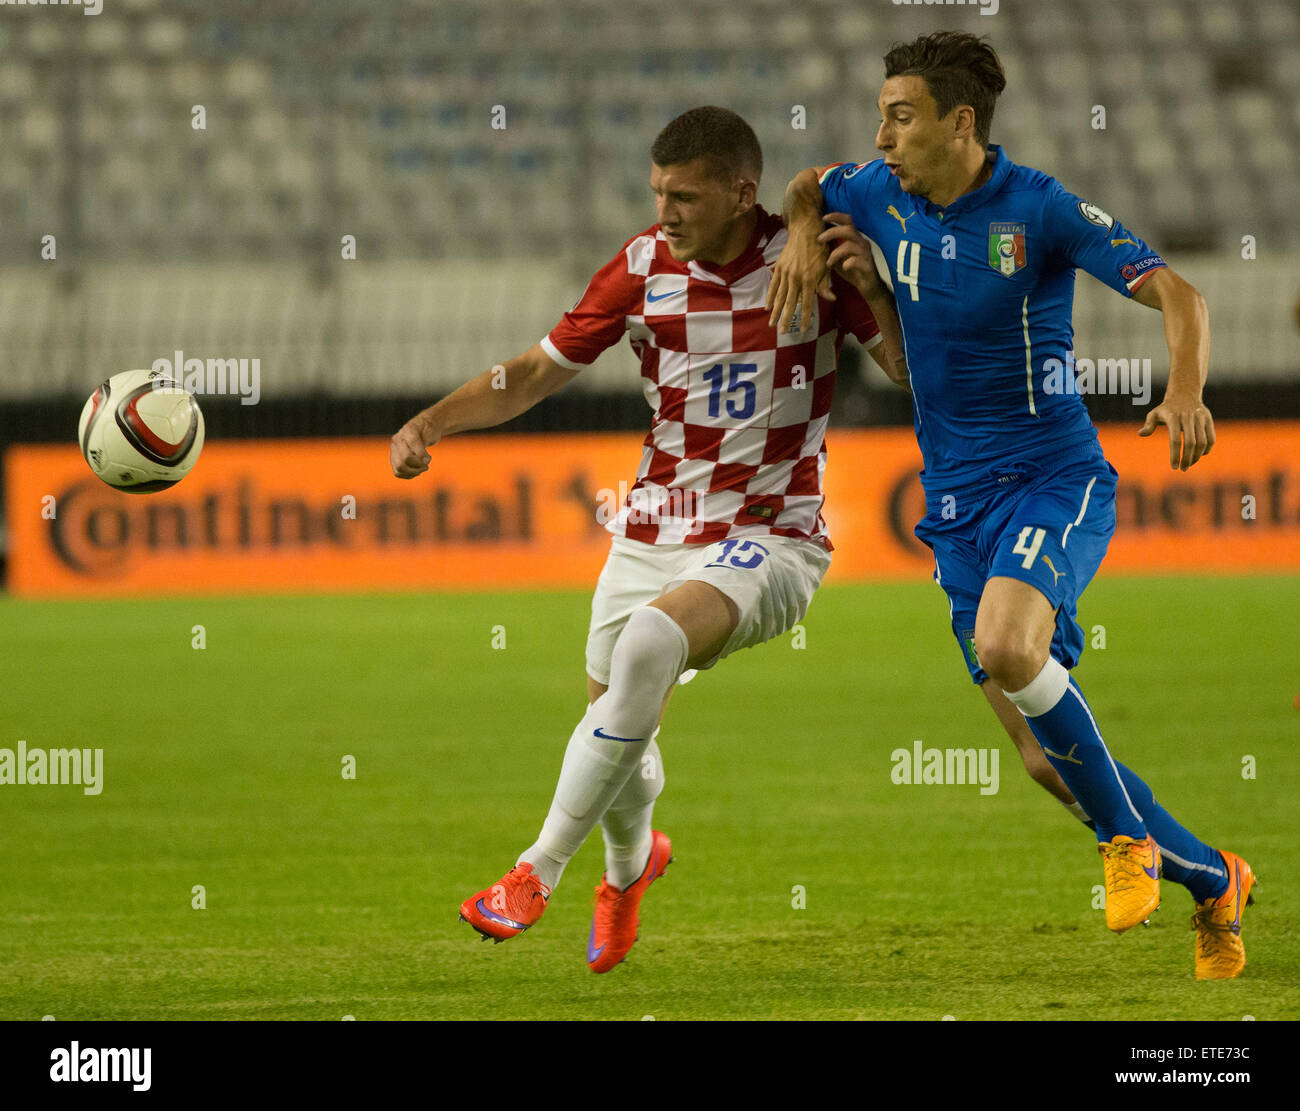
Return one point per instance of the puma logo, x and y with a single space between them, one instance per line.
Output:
1055 572
1069 757
1117 242
901 219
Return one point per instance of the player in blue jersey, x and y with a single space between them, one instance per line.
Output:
1019 497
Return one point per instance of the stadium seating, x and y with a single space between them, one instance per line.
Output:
326 119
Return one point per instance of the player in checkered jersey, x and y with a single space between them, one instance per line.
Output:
720 543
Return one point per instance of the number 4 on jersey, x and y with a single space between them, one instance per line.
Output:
1027 545
909 275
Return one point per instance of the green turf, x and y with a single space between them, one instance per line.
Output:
329 897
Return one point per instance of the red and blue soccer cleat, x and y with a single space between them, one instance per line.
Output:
509 906
614 924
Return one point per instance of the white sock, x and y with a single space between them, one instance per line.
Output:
627 823
609 742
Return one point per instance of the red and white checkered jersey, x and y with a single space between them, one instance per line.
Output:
737 444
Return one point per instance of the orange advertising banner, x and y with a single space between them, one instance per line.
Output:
524 511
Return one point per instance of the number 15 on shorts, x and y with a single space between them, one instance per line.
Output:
745 554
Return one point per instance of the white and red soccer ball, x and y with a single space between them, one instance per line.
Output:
140 431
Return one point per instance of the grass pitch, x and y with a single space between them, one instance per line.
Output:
328 896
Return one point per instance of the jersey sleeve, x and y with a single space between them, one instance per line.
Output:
848 187
599 319
1084 236
835 190
855 316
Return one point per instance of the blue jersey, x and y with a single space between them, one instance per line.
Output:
984 289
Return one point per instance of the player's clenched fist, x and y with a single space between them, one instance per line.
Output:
408 452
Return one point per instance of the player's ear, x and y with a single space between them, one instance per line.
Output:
748 195
963 122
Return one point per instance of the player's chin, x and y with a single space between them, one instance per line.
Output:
679 248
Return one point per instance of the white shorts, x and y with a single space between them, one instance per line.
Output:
770 578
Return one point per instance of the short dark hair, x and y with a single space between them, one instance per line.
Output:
718 135
958 68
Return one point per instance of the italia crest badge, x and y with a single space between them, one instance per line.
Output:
1006 248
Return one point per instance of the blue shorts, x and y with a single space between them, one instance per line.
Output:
1046 522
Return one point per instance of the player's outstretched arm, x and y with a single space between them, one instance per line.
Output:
801 273
1187 334
494 397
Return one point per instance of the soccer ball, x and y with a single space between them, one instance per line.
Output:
140 432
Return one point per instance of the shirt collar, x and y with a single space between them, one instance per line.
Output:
766 226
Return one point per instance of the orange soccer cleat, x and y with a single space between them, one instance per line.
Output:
1220 954
614 925
509 906
1132 880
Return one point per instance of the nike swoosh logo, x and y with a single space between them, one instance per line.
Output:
1154 870
483 910
593 955
606 737
651 298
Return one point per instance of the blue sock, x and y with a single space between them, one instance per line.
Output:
1185 860
1059 717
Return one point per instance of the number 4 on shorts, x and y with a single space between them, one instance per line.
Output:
1030 540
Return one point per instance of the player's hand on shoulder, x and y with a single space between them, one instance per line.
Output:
1191 429
799 276
408 452
850 255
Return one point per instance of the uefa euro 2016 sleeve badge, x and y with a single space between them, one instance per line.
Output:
1006 248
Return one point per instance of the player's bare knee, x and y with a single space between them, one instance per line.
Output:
1010 657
